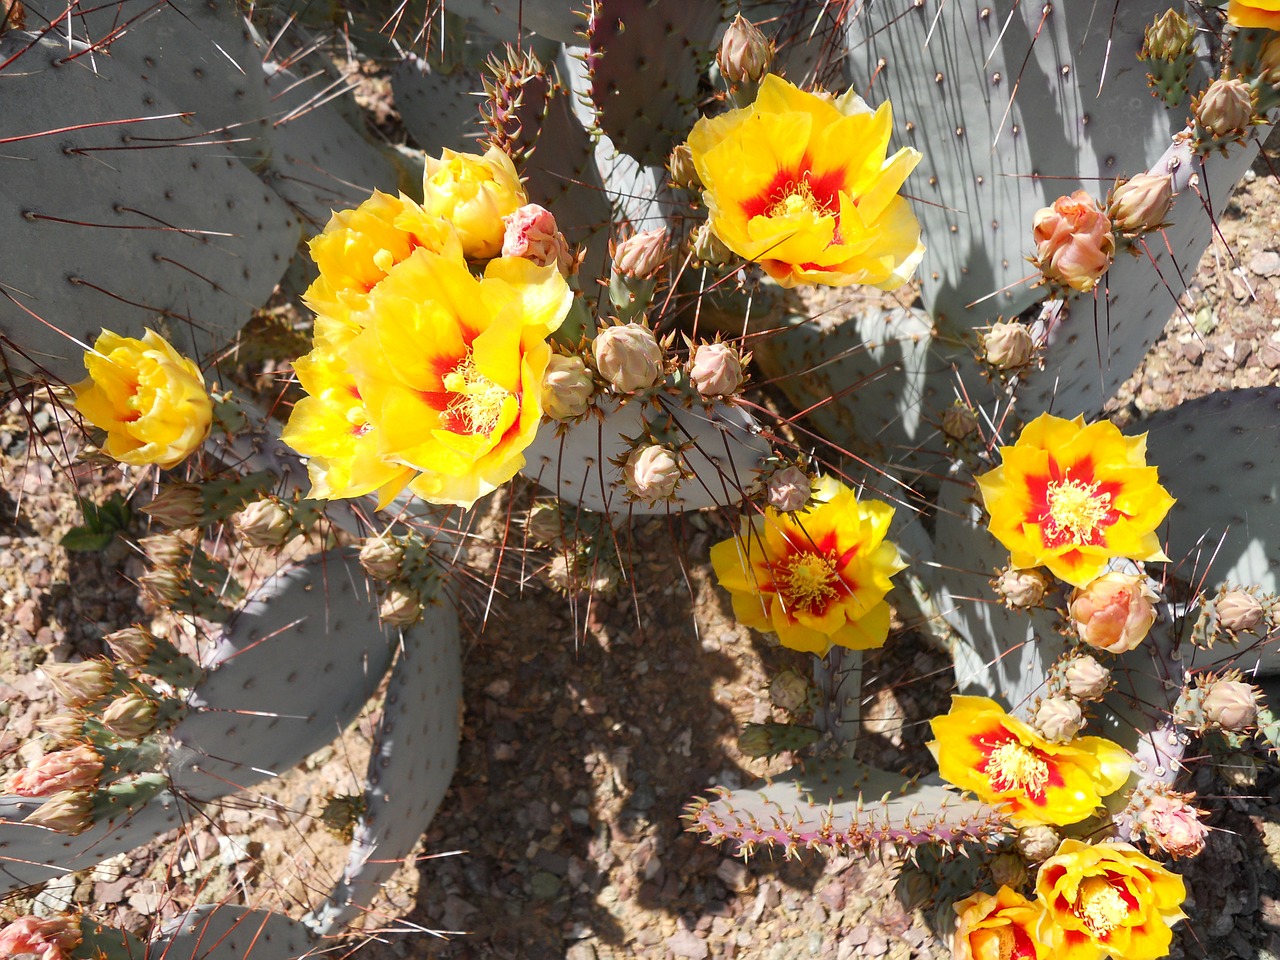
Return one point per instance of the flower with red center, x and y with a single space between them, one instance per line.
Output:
999 926
1107 900
802 184
817 577
1070 497
980 748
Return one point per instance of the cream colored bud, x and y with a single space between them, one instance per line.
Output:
716 370
130 717
177 505
745 53
652 473
80 684
708 248
70 811
381 557
681 169
1008 345
1059 719
132 645
1231 705
166 549
641 255
1114 612
401 607
1239 611
789 691
789 489
629 357
62 727
1226 108
164 586
1169 37
545 524
566 388
264 523
1086 678
1022 589
1037 843
1141 204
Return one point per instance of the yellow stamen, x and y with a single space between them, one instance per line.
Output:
797 200
808 581
478 401
1077 508
1012 766
1100 906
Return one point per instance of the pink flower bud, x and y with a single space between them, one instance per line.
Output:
1231 705
1074 244
177 505
401 607
789 489
1037 843
130 717
1226 108
381 558
745 53
532 233
716 370
1022 589
1169 822
567 387
1114 612
76 768
1239 611
264 523
641 255
70 811
80 684
45 938
132 645
629 357
1086 678
1141 204
1008 345
652 473
1059 719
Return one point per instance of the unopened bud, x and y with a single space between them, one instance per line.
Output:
532 233
1022 589
959 422
166 550
789 489
566 388
708 248
164 586
1169 37
44 938
1269 63
681 169
1086 678
264 523
716 370
628 356
545 524
1226 108
1008 870
745 53
80 684
1173 825
1231 705
132 645
381 557
1114 612
1140 204
62 727
1059 719
789 691
1038 842
1239 611
1074 243
130 717
1008 345
401 607
177 505
77 768
652 473
70 811
640 256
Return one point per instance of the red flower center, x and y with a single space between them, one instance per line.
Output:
808 581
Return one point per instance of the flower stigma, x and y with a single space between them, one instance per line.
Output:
477 402
808 581
1100 906
1076 510
1013 766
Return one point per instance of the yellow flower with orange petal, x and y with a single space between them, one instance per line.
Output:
1107 899
999 926
981 748
1254 13
817 577
473 193
150 399
1070 497
449 368
802 184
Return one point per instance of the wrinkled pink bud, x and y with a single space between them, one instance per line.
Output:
1059 719
132 645
1141 204
716 370
789 489
641 255
45 938
80 684
1086 678
1008 345
401 607
1038 842
76 768
381 558
745 53
1022 589
532 233
1114 612
629 356
652 473
1173 825
1074 245
264 523
177 505
567 387
1226 108
1239 611
70 811
1231 704
130 717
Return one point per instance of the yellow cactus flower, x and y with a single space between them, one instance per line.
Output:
800 183
449 368
815 578
474 194
1070 497
1107 900
1254 13
980 748
149 398
999 926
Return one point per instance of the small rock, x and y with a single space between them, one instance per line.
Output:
686 944
582 950
734 874
1265 263
544 885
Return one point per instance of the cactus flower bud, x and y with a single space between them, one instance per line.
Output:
1037 842
716 370
401 607
789 691
1008 870
1086 678
566 388
45 938
532 233
545 524
163 586
745 53
1074 244
1239 611
959 423
1169 822
177 505
1169 37
1269 63
1008 345
629 357
70 811
166 549
80 684
132 645
1231 705
789 489
1022 589
641 255
76 768
381 557
1226 108
709 248
1114 612
1059 718
1140 204
130 717
264 523
652 473
681 169
62 727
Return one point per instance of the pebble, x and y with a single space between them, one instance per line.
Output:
686 944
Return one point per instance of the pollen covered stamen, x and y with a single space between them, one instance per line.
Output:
477 404
797 198
1100 906
1076 509
807 581
1012 766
